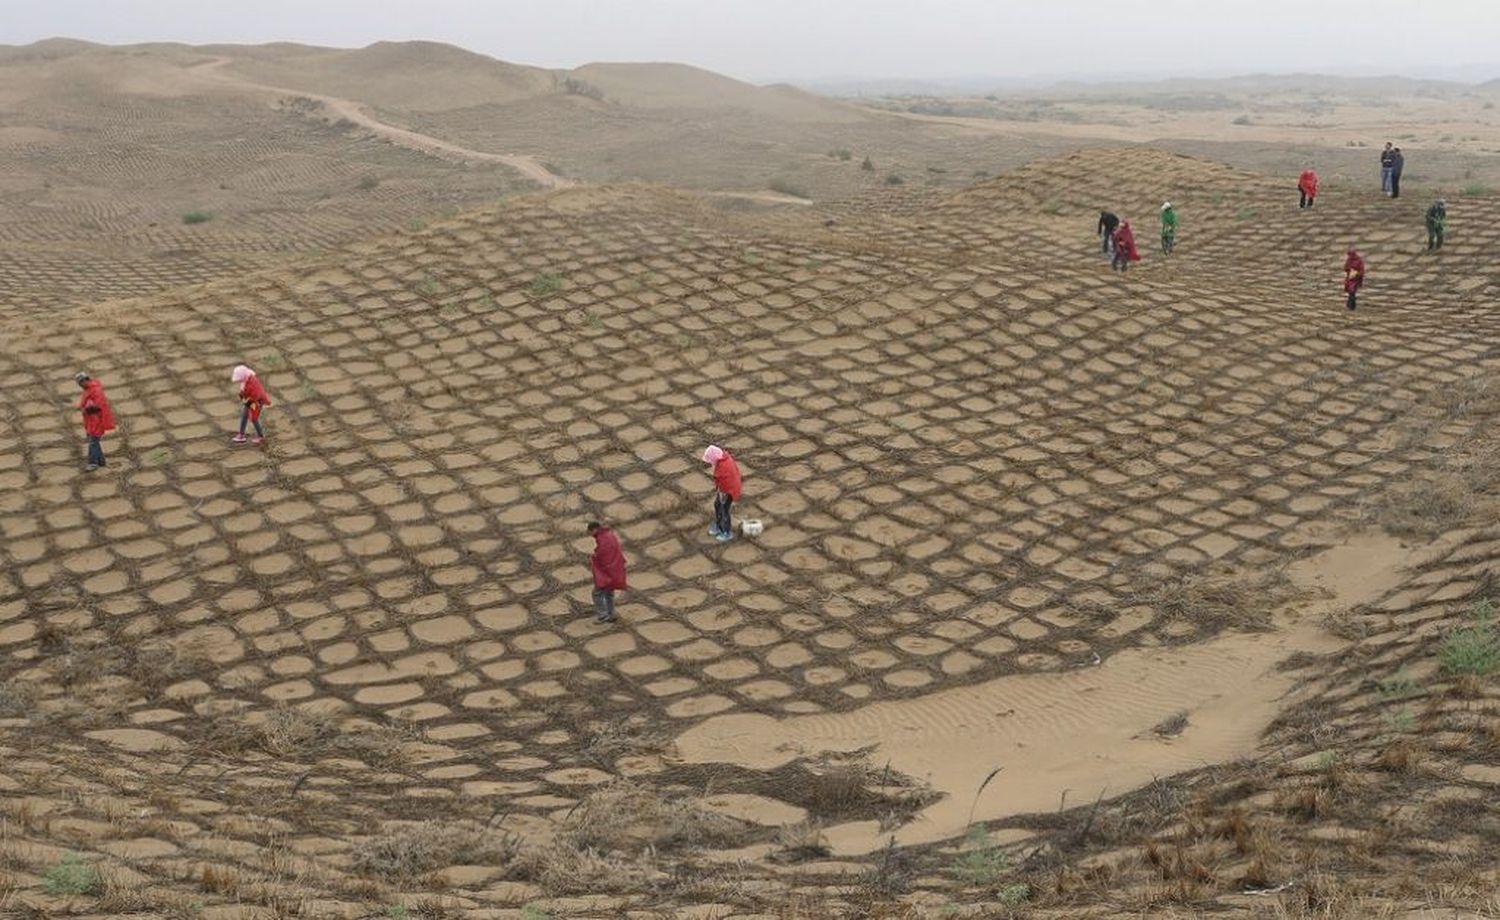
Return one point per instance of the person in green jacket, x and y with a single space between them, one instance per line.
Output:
1437 221
1168 227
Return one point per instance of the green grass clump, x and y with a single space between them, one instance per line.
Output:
983 862
545 284
197 217
787 187
894 179
1475 188
1473 649
73 875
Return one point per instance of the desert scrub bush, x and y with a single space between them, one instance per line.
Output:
894 179
576 87
1473 649
841 154
300 734
1241 120
73 875
982 861
800 842
545 284
416 849
1465 488
787 187
628 817
1223 599
868 165
17 699
197 217
1475 188
366 183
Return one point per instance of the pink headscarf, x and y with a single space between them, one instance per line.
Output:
713 454
241 373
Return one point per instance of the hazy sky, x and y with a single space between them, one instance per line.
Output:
766 39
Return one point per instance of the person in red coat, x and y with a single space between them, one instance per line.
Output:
726 490
609 571
253 399
1125 251
98 417
1354 275
1307 186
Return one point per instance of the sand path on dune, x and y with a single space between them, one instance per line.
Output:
530 167
1081 734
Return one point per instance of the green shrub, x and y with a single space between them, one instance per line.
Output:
1475 188
983 862
841 154
73 875
367 183
545 284
1242 120
1473 649
197 217
894 179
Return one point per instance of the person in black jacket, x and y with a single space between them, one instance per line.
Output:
1107 224
1398 163
1385 168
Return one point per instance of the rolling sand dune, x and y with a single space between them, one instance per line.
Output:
1200 559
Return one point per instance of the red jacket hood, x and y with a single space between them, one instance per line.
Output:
608 562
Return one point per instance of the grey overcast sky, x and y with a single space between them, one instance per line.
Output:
810 39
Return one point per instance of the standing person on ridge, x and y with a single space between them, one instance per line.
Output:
608 564
253 399
1354 275
1437 222
1386 157
98 417
1107 224
726 490
1307 186
1168 227
1125 251
1398 163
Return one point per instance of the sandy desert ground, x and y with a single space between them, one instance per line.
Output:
1168 594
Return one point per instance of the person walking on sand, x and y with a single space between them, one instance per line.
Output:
1437 221
1125 251
726 490
1307 186
1168 227
608 563
1398 163
98 418
1354 275
1108 221
1387 156
253 400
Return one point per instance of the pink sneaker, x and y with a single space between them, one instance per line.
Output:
238 439
257 440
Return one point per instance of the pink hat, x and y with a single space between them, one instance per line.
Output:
713 454
241 373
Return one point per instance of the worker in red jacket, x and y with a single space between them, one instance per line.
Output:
1307 187
98 417
253 399
609 571
1125 251
726 490
1354 275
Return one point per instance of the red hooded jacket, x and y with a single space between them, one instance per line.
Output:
1125 242
252 391
1354 272
727 476
609 561
1308 183
95 424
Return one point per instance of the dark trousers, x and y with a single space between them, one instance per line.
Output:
1395 185
604 603
1307 200
1434 236
1168 240
722 503
96 451
1106 243
1350 301
1120 262
246 419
